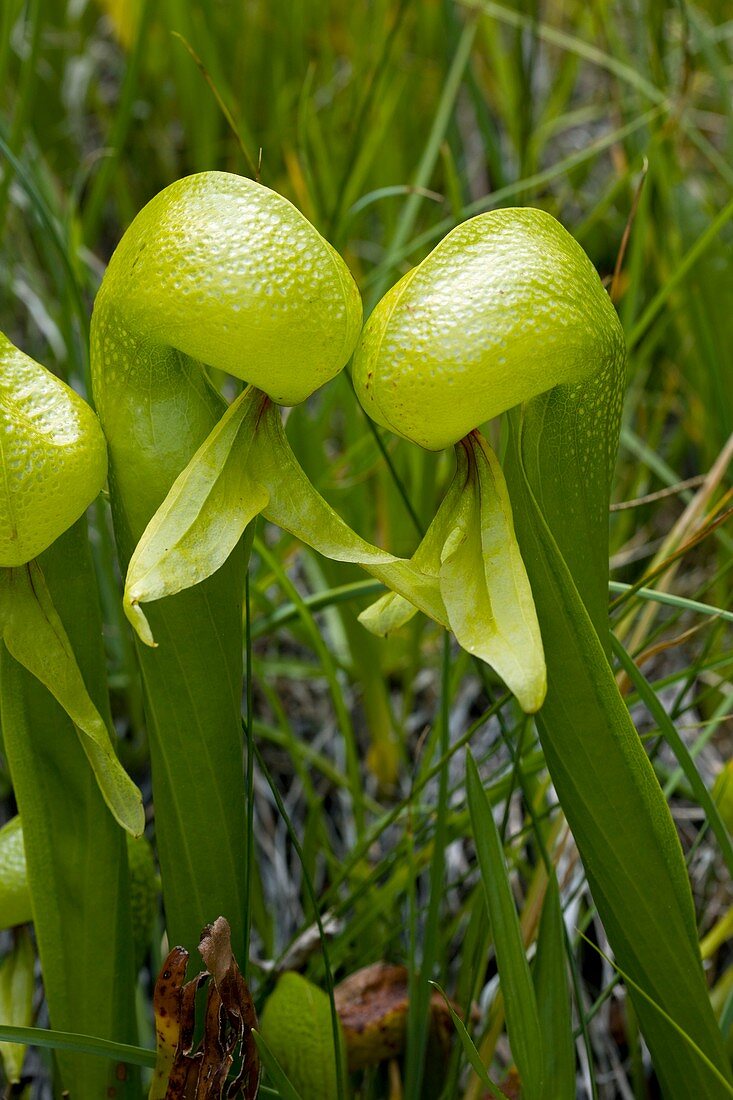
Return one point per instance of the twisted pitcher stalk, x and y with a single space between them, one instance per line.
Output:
507 313
216 270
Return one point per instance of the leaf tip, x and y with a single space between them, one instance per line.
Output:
136 824
126 805
138 621
532 696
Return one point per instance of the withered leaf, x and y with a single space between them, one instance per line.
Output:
167 1009
186 1073
372 1005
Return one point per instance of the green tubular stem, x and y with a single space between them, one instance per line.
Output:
75 851
215 269
603 778
193 696
569 444
193 681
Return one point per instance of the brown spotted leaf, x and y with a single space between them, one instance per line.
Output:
237 1008
372 1005
167 1009
185 1073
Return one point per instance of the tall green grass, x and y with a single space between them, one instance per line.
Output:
387 124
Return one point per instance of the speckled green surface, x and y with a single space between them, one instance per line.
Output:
53 454
296 1025
232 274
221 271
506 307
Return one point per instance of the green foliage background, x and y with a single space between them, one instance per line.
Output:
387 123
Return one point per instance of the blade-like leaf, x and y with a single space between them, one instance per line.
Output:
35 636
616 809
77 873
553 1001
472 1055
726 1088
523 1022
679 748
51 1039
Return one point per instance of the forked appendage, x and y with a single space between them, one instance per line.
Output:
471 548
246 467
467 573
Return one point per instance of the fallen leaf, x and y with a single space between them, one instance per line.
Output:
372 1005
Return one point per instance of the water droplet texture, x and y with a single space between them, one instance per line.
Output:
54 458
506 307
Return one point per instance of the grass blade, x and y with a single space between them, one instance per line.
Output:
419 1010
553 1002
523 1021
724 1084
80 1044
472 1055
679 748
430 154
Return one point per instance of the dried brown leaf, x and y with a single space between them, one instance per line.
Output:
183 1073
372 1005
